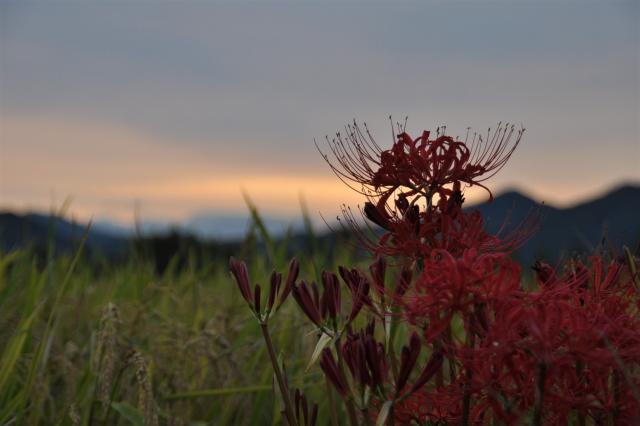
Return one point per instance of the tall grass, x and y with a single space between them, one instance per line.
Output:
121 345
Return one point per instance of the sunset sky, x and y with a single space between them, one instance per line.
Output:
177 107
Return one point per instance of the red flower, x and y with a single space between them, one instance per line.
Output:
448 285
566 351
421 166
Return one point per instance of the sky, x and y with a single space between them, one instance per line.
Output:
175 108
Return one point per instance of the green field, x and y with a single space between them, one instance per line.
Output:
84 342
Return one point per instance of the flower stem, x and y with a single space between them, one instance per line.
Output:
348 402
288 406
366 421
439 376
616 396
332 403
466 401
452 364
582 420
537 414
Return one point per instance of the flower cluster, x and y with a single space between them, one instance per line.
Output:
484 345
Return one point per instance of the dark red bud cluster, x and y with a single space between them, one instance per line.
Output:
545 273
377 216
277 294
308 298
408 358
305 415
377 270
404 281
327 306
333 373
479 321
330 303
241 275
366 358
367 363
359 286
292 276
430 369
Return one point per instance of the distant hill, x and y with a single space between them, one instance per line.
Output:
206 225
227 227
614 217
38 230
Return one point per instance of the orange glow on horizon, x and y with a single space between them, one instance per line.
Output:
110 171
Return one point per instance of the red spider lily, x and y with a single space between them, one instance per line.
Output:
448 285
422 165
415 235
583 336
566 352
441 405
420 169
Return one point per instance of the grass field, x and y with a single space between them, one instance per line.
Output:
87 343
84 341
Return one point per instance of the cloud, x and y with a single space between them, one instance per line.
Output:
253 74
98 98
106 169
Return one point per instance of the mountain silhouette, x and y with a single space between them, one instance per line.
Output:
41 231
607 222
603 223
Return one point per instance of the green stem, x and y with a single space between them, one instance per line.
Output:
365 416
348 402
288 406
466 404
616 396
390 349
113 394
466 401
582 420
537 414
332 403
452 365
439 376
